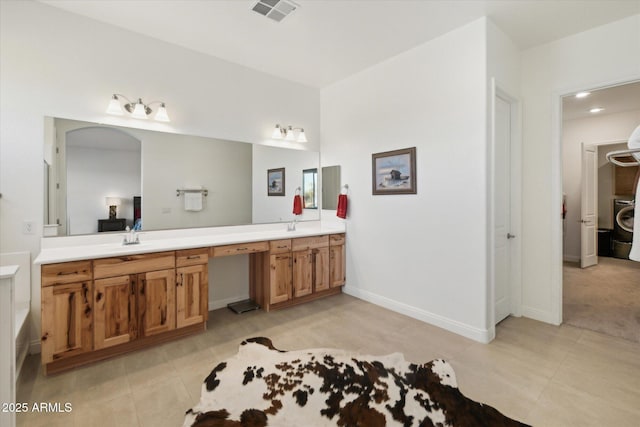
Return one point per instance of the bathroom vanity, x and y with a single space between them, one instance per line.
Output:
101 299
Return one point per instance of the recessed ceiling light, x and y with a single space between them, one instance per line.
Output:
582 94
596 110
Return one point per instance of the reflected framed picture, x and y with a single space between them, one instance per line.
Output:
394 172
275 182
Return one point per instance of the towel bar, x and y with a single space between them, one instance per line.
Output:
192 190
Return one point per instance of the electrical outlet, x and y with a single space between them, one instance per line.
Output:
28 227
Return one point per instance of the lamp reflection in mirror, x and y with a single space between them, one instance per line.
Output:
113 203
289 134
138 109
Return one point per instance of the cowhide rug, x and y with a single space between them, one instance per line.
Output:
263 386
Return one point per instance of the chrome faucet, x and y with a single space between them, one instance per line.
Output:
131 238
292 225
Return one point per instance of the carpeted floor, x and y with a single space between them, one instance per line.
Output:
604 298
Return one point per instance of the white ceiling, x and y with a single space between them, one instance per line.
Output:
324 41
613 99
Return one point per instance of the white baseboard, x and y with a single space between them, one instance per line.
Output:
34 347
480 335
221 303
540 315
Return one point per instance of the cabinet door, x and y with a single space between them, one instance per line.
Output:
115 311
66 320
280 285
156 302
337 265
320 269
302 273
191 295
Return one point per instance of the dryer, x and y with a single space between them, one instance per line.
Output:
622 238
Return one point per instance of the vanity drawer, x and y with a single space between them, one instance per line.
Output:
132 264
280 246
66 272
336 239
188 257
242 248
304 243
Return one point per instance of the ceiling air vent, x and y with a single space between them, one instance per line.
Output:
275 9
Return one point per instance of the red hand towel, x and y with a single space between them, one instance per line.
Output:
342 206
297 205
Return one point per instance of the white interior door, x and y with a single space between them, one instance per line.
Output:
589 207
502 209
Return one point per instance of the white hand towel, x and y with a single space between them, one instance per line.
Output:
193 201
634 142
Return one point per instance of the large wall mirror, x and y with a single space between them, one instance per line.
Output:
104 178
330 187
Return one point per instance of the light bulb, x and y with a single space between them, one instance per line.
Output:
289 136
162 115
114 107
277 133
139 111
301 136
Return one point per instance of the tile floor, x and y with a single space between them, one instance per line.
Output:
538 373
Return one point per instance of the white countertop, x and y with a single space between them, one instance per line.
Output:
8 271
75 248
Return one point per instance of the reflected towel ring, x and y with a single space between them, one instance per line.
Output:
298 191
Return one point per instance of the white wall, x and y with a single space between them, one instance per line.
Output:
62 65
423 254
595 58
278 208
592 130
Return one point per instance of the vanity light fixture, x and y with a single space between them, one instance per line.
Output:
582 94
289 134
138 109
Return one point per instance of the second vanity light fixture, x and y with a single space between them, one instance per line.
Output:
289 134
138 109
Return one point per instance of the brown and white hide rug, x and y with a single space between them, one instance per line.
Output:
263 386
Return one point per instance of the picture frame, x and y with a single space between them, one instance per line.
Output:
394 172
275 182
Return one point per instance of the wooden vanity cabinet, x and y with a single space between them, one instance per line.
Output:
192 287
115 317
299 269
280 271
95 309
139 304
310 266
156 298
337 260
66 310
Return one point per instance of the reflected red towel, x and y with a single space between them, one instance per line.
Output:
342 206
297 205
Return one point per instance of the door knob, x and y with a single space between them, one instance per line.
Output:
511 236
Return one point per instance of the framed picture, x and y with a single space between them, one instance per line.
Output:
275 182
394 172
